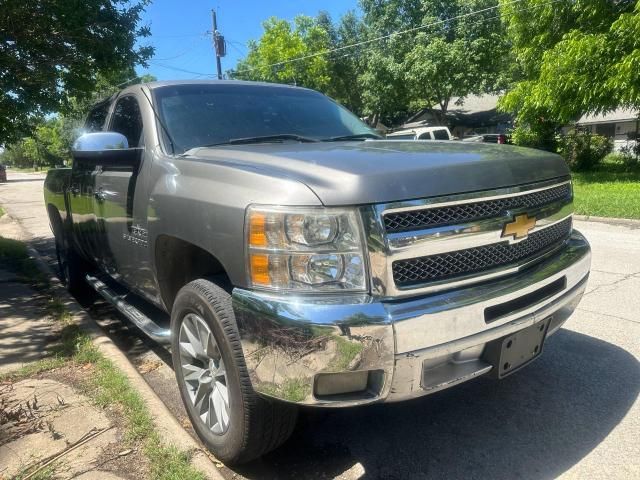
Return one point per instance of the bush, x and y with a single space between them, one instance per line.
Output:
541 136
629 155
583 150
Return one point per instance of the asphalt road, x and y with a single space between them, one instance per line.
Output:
573 413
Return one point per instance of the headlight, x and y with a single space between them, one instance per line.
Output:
313 249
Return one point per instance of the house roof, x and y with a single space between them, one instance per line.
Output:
473 104
473 110
618 115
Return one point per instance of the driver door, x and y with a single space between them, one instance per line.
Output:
123 236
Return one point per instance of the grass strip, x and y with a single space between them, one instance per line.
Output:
106 384
15 257
609 190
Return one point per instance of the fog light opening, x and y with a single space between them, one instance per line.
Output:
364 383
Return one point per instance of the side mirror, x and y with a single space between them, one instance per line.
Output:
99 141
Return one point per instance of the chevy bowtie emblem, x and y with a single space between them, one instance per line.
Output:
520 226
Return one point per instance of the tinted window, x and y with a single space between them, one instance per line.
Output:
128 121
198 115
96 118
440 134
425 136
410 136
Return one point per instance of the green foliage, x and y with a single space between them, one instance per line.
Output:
630 155
390 77
282 41
15 257
583 150
49 145
53 51
345 65
573 58
540 135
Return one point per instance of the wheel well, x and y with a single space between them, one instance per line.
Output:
179 262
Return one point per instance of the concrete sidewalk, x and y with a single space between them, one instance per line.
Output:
42 416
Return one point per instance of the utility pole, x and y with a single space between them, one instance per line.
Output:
218 43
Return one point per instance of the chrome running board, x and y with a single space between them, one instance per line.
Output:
139 319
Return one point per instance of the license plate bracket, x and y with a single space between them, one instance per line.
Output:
509 354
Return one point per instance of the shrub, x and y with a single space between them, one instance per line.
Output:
629 154
540 136
583 150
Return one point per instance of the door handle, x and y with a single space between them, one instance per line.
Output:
100 195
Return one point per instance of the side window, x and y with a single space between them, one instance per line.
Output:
96 118
425 136
441 134
127 120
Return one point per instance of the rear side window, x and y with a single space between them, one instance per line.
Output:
425 136
96 118
410 136
440 134
127 120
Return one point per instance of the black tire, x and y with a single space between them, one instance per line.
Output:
71 267
256 425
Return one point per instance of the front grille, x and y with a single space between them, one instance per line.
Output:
469 212
446 266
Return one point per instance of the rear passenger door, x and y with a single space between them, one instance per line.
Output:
123 240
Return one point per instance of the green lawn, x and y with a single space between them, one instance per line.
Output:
28 169
609 190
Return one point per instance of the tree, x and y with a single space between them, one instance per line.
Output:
268 58
55 50
573 58
445 54
345 64
51 139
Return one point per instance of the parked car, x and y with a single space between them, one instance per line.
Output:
421 133
3 173
289 256
500 138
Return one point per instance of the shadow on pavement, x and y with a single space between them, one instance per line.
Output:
18 180
534 424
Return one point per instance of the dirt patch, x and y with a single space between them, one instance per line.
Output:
47 422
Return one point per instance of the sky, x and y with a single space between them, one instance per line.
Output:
183 47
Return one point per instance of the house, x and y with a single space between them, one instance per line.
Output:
474 114
621 125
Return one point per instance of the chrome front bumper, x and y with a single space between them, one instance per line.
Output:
410 347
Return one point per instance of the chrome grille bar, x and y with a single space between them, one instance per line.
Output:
549 202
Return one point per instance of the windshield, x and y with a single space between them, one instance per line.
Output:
200 115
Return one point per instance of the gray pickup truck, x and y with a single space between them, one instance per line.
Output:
289 256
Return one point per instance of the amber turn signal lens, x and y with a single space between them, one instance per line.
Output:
260 269
257 233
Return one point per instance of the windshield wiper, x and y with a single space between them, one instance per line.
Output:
264 139
356 136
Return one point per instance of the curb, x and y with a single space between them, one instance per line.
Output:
626 222
169 429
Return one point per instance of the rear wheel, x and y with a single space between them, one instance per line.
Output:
231 419
71 267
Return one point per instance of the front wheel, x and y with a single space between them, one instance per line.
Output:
229 417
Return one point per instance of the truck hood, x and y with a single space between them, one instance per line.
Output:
355 173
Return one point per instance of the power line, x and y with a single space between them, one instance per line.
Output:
384 37
178 69
189 49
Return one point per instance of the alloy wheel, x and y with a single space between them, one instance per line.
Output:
204 373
